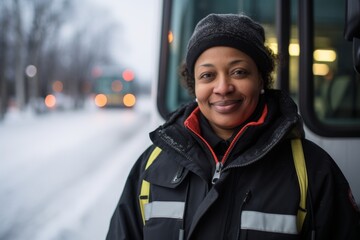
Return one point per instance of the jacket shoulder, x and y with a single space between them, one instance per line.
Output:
138 167
317 158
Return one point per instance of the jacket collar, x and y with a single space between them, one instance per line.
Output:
192 123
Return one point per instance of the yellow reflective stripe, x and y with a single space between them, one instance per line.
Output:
145 185
300 166
153 156
144 197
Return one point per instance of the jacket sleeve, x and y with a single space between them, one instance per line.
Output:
126 222
335 213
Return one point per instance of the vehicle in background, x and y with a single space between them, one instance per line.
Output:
113 87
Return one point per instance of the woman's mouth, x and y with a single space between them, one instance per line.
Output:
226 106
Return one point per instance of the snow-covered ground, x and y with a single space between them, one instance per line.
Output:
61 173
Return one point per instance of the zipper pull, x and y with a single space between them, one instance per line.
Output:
245 201
217 172
247 197
178 175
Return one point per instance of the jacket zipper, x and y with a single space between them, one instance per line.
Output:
217 172
220 164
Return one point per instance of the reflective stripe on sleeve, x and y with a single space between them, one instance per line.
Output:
269 222
163 209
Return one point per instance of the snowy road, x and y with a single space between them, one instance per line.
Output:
61 174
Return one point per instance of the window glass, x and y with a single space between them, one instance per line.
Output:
336 84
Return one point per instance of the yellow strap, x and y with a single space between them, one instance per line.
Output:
145 185
300 166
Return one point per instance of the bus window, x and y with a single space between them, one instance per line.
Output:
329 86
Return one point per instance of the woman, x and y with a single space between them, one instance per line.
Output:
226 168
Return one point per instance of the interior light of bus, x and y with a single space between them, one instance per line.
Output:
272 44
100 100
57 86
117 86
128 75
170 37
129 100
273 47
324 55
320 69
50 101
294 49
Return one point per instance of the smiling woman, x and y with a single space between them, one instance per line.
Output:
227 165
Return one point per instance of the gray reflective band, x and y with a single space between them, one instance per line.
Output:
162 209
269 222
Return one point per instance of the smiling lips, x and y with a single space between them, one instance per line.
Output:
226 106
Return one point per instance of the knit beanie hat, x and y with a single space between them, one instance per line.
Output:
231 30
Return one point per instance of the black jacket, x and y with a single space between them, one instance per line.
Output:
257 194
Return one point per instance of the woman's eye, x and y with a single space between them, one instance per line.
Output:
240 72
206 76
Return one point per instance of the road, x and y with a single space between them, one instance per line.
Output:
61 174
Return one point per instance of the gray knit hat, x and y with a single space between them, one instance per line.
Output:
232 30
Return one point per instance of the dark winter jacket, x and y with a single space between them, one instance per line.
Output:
256 195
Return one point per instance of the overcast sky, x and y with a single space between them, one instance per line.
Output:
137 23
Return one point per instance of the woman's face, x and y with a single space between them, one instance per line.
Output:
227 88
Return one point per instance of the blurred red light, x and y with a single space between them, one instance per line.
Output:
116 86
57 86
128 75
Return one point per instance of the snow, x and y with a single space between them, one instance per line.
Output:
62 173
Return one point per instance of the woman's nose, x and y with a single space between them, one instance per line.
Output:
223 86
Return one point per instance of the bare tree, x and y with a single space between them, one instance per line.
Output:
47 17
19 54
85 49
4 32
31 35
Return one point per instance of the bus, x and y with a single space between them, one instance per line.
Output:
113 87
318 41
